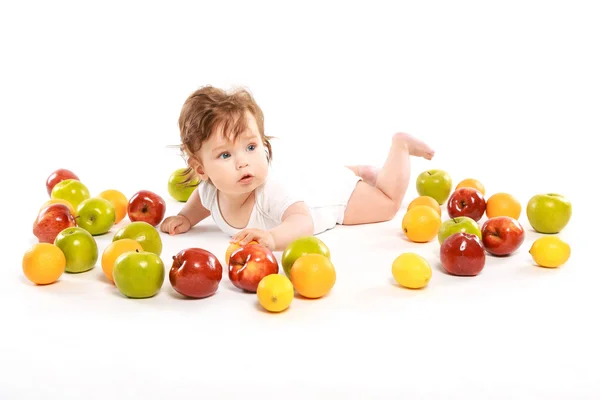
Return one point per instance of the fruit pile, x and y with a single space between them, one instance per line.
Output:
465 241
67 224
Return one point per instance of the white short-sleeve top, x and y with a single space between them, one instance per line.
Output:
327 203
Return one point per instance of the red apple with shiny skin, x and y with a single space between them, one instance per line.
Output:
51 220
249 264
466 202
146 206
502 236
462 254
57 176
195 273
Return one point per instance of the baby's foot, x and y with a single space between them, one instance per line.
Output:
415 146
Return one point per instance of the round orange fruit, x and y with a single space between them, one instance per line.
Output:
471 183
119 202
425 201
113 251
503 205
313 275
421 224
44 263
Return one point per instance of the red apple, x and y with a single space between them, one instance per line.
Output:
146 206
57 176
502 236
466 202
462 254
195 273
249 264
51 220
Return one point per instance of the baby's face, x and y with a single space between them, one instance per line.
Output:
236 167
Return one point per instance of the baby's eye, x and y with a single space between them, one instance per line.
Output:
251 147
224 155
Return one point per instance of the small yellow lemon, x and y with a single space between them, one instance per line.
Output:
421 224
411 270
275 292
550 251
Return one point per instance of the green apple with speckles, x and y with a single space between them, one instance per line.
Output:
71 190
139 274
79 247
144 233
182 183
549 213
96 215
434 183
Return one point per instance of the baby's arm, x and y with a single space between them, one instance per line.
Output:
192 213
193 209
296 222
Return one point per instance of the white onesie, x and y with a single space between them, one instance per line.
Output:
325 194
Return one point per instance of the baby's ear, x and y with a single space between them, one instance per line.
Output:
196 165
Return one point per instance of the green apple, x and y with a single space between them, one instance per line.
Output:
79 247
549 213
300 247
178 188
434 183
456 225
144 233
96 215
139 274
70 190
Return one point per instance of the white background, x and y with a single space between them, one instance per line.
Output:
504 92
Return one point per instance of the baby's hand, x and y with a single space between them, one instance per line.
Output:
263 238
175 224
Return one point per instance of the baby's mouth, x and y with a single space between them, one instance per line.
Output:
246 177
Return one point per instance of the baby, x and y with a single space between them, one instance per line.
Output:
223 140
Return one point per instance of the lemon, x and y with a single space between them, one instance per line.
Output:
411 270
550 251
275 292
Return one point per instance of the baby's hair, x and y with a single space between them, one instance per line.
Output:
209 108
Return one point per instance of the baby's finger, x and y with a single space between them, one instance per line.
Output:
246 239
173 228
178 228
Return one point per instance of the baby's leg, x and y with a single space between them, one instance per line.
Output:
381 202
416 147
368 173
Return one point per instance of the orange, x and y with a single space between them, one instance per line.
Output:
119 202
60 201
233 247
421 224
44 263
113 251
426 201
503 205
313 275
471 183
